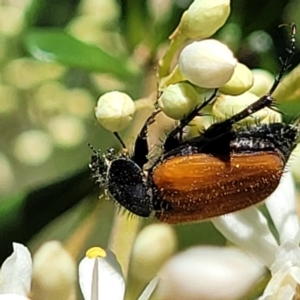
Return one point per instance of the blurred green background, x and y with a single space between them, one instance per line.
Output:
56 58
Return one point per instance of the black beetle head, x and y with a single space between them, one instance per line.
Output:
127 184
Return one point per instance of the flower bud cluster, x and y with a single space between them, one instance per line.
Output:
203 65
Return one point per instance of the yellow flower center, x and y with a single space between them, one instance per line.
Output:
95 252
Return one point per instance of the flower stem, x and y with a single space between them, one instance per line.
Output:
164 65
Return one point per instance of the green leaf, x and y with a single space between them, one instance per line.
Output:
56 45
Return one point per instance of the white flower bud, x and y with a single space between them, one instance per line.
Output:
204 17
208 63
114 111
263 80
240 82
148 259
54 272
226 106
178 100
217 273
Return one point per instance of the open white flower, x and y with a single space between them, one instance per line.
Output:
249 230
100 276
15 274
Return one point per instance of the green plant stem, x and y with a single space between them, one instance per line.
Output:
164 65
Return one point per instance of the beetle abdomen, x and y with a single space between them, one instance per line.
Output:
201 186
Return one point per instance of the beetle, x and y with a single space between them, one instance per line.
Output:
222 170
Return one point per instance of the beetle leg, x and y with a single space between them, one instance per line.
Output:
172 140
141 149
285 64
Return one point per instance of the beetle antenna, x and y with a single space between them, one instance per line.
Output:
267 100
91 147
120 140
286 63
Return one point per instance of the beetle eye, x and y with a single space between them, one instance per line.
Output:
126 184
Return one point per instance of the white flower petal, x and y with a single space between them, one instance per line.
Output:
288 256
282 208
149 289
101 278
249 230
281 286
208 273
16 272
285 273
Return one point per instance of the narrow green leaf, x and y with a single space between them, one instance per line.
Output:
57 45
